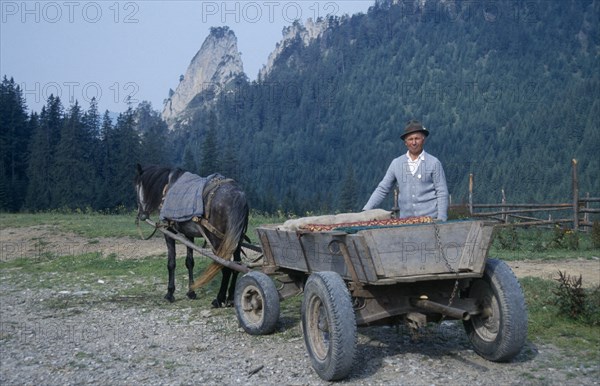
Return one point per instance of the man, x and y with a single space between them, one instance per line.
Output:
420 177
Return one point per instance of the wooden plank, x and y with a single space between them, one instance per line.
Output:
266 247
323 255
385 254
315 252
286 250
476 247
361 257
414 250
239 267
521 205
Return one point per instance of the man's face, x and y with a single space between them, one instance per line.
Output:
414 143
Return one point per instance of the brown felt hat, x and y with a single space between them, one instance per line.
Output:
414 126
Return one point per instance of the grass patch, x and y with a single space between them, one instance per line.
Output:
90 225
93 279
548 325
540 244
95 225
89 263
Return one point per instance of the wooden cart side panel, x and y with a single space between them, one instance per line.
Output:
361 258
381 255
476 247
283 248
314 252
375 261
323 255
414 250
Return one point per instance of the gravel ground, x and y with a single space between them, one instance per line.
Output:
87 333
88 330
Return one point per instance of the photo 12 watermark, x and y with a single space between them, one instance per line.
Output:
47 249
266 11
483 92
117 93
53 12
26 333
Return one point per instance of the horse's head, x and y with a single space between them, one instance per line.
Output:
143 212
150 184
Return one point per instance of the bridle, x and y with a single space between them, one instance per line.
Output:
143 215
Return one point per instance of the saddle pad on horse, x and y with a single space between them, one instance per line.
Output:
183 200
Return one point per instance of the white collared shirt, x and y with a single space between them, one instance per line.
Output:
413 166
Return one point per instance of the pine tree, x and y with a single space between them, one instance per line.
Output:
73 170
209 163
41 155
15 135
348 194
154 135
229 162
123 160
189 161
106 177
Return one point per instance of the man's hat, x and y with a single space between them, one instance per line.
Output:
414 126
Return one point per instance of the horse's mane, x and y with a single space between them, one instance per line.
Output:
153 179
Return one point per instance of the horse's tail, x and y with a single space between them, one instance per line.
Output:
237 224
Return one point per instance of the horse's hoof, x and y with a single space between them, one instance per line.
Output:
191 295
216 304
170 298
229 303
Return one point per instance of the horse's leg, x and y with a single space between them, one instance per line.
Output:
171 267
189 263
221 296
231 293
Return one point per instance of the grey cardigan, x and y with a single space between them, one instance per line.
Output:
423 194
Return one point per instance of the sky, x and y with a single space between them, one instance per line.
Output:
136 50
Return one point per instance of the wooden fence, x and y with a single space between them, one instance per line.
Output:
577 212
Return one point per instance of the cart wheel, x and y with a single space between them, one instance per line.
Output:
329 325
500 331
256 303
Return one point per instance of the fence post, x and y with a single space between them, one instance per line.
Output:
504 217
586 215
575 196
471 194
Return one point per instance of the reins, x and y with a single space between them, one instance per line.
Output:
156 226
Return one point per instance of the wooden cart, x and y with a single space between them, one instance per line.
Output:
412 273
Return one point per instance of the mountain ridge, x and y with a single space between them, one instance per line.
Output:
499 87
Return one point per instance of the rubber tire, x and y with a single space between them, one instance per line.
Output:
327 304
501 335
256 303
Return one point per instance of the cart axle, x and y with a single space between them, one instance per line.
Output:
452 312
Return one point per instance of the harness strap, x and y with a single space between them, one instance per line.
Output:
156 226
210 190
210 227
207 196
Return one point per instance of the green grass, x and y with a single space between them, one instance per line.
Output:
85 224
548 325
142 282
538 244
92 225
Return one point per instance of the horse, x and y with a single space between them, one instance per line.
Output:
224 225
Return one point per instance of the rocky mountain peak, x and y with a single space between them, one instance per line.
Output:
306 33
216 64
